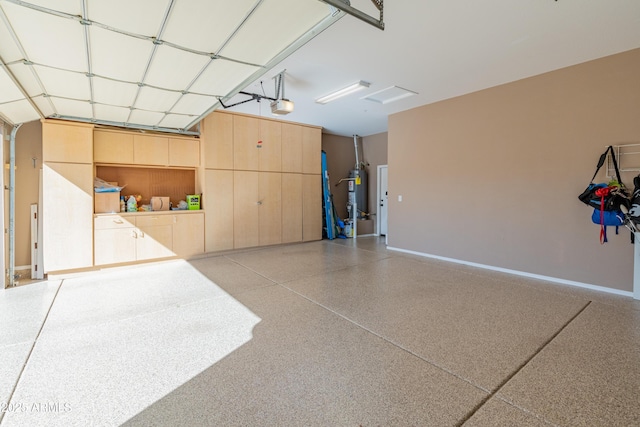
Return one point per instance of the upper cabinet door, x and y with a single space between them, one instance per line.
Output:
311 148
112 147
150 150
246 143
217 141
257 144
184 152
271 151
67 142
291 148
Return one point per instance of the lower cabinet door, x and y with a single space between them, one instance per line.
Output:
154 242
188 236
115 245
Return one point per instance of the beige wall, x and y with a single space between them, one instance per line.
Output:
28 146
493 177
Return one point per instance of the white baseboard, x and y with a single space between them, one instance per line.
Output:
520 273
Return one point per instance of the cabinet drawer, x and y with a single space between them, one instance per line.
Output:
111 221
153 220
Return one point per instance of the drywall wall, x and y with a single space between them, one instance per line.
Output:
341 158
28 165
493 177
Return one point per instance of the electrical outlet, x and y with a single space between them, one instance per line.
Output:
399 197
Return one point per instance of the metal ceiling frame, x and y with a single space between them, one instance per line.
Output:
157 41
301 41
345 5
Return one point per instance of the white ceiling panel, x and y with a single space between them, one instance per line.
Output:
64 83
176 121
270 29
114 93
118 56
221 77
9 51
152 55
142 17
146 118
44 105
25 75
11 91
194 104
48 39
112 114
174 69
156 100
19 112
68 107
72 7
206 31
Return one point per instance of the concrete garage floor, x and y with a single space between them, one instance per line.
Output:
334 333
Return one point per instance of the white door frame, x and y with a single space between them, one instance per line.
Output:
379 195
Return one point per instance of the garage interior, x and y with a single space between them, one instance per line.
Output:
484 299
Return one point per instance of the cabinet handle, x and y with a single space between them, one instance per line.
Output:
118 221
259 202
134 234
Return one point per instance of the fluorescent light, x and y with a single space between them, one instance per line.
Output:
343 92
390 94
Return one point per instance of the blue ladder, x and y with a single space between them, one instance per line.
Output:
327 201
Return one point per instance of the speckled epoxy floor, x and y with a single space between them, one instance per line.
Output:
340 333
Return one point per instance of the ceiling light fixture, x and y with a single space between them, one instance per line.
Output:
343 92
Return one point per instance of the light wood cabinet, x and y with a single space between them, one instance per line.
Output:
115 240
291 148
188 234
218 202
150 150
184 152
311 209
131 238
257 172
257 144
270 208
154 237
112 147
67 211
217 141
257 208
311 150
246 199
291 207
67 195
67 142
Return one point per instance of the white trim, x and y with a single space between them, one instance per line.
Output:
378 193
636 266
520 273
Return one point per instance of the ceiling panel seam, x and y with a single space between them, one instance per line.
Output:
87 46
156 43
16 40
